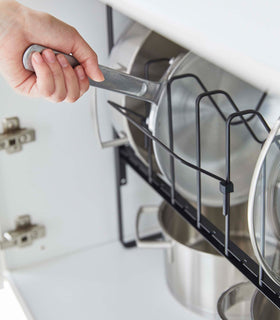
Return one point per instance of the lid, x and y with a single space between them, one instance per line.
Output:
244 149
264 207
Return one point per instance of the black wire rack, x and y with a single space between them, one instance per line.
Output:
125 156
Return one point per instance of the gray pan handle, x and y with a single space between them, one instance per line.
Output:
114 80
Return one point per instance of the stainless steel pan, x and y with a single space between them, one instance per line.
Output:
131 53
115 80
184 93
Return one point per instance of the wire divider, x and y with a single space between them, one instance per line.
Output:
125 156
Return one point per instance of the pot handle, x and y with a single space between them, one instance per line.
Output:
115 80
148 244
122 140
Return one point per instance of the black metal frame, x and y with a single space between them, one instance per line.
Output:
124 156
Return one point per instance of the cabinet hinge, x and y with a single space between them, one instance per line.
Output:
24 233
13 136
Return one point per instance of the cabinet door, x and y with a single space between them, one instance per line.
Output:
62 179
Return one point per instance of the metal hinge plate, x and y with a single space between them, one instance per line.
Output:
13 137
24 233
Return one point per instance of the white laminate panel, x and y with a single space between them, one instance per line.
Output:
240 36
106 283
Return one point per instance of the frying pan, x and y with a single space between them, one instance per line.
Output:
146 54
244 150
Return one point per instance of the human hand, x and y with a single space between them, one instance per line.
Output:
54 78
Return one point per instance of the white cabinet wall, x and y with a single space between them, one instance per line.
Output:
63 179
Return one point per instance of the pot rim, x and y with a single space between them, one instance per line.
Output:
233 291
164 205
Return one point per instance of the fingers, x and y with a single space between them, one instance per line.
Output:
56 79
87 57
60 92
45 81
83 79
71 81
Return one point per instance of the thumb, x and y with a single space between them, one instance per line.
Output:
87 58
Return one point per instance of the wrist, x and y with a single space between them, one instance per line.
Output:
11 13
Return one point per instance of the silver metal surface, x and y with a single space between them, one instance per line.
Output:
243 302
269 260
197 275
244 150
273 196
132 86
10 124
26 59
13 137
114 80
137 45
133 50
23 235
263 309
122 140
157 244
234 303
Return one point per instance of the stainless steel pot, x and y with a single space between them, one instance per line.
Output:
243 301
235 302
196 274
263 309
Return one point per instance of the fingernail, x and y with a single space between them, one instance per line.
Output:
63 61
36 56
49 55
81 73
99 77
